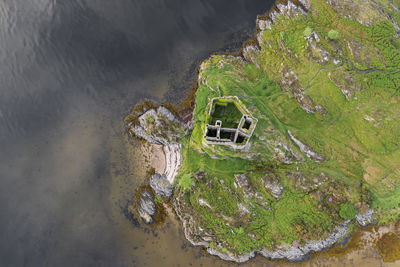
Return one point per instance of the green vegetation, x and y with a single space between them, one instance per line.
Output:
227 113
307 32
338 93
333 34
186 181
347 211
158 199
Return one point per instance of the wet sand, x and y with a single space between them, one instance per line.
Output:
154 156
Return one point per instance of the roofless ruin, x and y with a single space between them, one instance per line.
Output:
228 123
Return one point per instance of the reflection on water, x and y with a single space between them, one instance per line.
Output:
69 72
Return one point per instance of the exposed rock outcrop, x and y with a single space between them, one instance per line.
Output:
192 233
301 253
273 186
146 207
161 185
305 149
159 127
231 257
365 219
286 154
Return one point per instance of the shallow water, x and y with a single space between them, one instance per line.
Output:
69 72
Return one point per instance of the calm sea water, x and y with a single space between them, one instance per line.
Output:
69 72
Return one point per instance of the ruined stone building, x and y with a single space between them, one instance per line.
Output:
228 123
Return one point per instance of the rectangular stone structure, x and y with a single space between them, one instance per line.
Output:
229 123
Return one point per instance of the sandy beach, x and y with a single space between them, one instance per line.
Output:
163 159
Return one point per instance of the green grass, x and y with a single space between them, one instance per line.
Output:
347 211
186 181
332 34
227 113
307 32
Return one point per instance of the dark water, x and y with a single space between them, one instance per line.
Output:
70 70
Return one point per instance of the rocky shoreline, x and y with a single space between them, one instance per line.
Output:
159 126
295 254
290 253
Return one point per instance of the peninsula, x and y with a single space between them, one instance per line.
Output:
293 143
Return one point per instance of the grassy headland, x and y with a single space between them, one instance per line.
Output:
331 78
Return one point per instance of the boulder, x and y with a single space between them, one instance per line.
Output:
161 185
146 207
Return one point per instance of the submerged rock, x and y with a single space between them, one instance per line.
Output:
161 185
146 207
